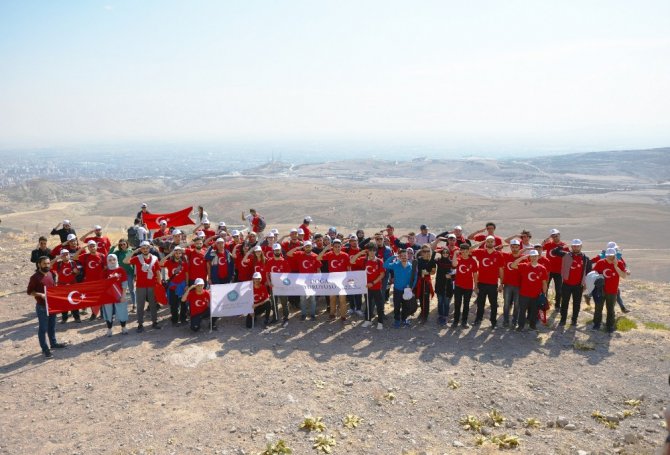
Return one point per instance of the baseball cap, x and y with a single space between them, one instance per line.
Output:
301 232
451 236
177 248
236 233
458 228
258 248
533 253
145 243
332 229
205 221
91 242
490 237
352 237
576 242
66 222
176 232
307 243
554 232
222 224
200 235
71 237
275 231
423 226
612 245
144 205
64 252
308 219
337 241
293 230
97 227
220 240
256 276
610 252
199 282
276 246
515 242
163 223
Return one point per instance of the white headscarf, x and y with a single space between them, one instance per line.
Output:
112 262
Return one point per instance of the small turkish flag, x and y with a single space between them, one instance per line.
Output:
179 218
81 295
160 294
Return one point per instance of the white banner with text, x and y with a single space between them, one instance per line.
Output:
336 283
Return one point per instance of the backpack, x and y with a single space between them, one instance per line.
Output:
133 237
261 223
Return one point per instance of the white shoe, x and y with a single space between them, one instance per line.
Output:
124 330
380 326
359 313
366 324
350 312
109 332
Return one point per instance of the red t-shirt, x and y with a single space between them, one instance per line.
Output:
307 263
307 233
197 266
353 252
373 269
176 271
142 277
555 261
611 276
120 276
261 294
480 237
465 268
245 271
220 261
267 251
489 265
336 262
103 243
66 271
576 271
280 265
255 221
94 266
510 276
531 279
198 302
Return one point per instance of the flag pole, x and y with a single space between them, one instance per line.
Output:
274 300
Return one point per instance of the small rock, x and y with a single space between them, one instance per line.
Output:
457 444
348 383
629 438
528 432
485 431
562 421
570 426
583 452
233 430
612 418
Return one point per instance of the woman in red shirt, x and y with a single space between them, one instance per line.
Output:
198 299
176 263
261 301
120 306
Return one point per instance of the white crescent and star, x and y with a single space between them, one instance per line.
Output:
199 303
462 269
71 297
222 261
197 260
486 262
335 264
92 264
532 276
607 273
67 272
275 269
306 264
509 266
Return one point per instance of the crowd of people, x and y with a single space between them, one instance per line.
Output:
409 271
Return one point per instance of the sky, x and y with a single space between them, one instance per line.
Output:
486 77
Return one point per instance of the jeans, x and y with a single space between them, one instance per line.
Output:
558 284
355 302
608 301
511 301
131 287
528 306
304 300
619 300
46 326
197 320
444 299
490 291
375 301
461 297
400 307
567 291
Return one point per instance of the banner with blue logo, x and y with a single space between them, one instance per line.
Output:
335 283
232 299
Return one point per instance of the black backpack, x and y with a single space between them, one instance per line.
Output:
261 223
133 237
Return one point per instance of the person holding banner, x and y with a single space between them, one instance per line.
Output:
147 271
120 307
176 264
93 264
307 262
39 281
278 264
405 279
374 268
261 301
198 299
338 261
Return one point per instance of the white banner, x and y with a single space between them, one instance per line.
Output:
336 283
232 299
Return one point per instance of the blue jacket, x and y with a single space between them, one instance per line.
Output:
403 276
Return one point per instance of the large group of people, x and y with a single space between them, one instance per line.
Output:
409 271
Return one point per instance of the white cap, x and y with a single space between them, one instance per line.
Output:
97 227
71 237
490 237
64 251
332 229
554 232
352 237
514 242
258 248
256 276
270 234
199 282
276 246
275 231
205 221
457 227
177 248
293 230
220 240
145 243
252 233
66 222
576 242
308 219
307 243
612 245
337 241
176 232
533 253
144 205
200 234
451 236
301 232
163 223
91 242
222 224
236 232
610 252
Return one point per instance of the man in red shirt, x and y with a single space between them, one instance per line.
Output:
612 270
374 269
479 236
306 232
176 264
103 242
550 244
43 278
390 236
338 261
575 266
148 275
67 272
255 220
511 282
278 264
490 279
199 301
533 282
467 274
261 301
197 264
93 264
307 262
355 300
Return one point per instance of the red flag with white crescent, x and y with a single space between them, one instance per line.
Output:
179 218
81 295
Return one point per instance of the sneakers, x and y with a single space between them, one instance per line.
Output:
625 310
303 317
380 326
359 313
406 324
311 318
140 328
397 324
155 326
58 346
465 325
124 330
366 324
285 322
109 332
47 354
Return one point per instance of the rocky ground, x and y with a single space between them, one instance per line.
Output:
236 390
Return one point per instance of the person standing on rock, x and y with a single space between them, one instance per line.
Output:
43 278
64 231
148 274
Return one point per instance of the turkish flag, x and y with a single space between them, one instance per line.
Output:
179 218
81 295
160 294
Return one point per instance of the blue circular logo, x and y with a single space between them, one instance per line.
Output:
232 296
286 282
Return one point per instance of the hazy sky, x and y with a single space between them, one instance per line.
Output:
462 75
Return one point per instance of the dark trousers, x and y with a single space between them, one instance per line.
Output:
178 309
490 291
400 307
567 291
46 326
461 297
75 315
444 292
196 320
558 284
355 302
375 301
260 309
609 301
527 310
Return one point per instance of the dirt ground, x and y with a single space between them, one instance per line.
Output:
236 390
